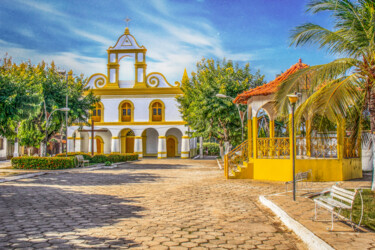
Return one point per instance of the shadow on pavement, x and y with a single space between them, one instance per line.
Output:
42 217
93 178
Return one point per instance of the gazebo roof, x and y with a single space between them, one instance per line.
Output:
271 87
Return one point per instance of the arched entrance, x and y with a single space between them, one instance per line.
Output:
150 142
173 141
172 146
127 141
99 145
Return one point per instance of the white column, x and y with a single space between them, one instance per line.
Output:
70 144
162 147
185 147
77 147
115 145
138 146
90 145
15 153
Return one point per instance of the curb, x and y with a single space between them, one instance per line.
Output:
309 238
22 176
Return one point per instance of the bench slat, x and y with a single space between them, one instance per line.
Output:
344 191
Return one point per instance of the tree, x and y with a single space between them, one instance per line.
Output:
208 115
20 96
30 93
344 87
55 87
29 135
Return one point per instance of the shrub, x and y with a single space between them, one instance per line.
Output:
131 157
86 156
212 148
99 158
107 163
50 163
117 157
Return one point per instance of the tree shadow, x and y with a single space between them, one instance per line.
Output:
43 217
161 166
93 178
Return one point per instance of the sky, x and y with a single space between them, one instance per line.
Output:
75 34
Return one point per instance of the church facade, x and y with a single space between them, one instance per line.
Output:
139 115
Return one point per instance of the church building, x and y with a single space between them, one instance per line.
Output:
138 112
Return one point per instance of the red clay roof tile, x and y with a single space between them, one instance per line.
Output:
271 87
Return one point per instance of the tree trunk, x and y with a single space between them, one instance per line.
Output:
221 150
15 153
372 123
227 147
201 147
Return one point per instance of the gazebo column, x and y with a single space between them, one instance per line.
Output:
308 138
115 144
185 147
255 136
162 147
272 137
340 139
138 146
250 131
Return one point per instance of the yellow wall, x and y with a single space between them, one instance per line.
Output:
352 168
273 169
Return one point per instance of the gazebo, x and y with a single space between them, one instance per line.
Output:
266 155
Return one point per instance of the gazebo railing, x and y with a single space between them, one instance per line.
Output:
320 147
274 148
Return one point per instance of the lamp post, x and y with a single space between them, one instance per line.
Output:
293 99
241 114
47 120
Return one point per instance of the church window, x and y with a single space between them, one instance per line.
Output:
97 113
157 112
126 114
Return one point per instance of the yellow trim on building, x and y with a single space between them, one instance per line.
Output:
115 137
161 137
186 137
136 123
134 91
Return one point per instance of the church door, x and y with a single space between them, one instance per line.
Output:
171 147
99 146
129 144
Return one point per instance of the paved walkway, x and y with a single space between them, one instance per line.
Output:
160 204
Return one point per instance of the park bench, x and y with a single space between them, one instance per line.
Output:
339 199
81 161
301 176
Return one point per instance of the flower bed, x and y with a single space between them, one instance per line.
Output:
50 163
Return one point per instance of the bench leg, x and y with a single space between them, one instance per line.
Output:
316 212
332 221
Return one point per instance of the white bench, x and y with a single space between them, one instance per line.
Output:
81 161
301 176
338 199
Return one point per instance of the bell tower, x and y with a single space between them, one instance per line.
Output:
126 47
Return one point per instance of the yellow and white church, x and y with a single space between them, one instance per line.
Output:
134 116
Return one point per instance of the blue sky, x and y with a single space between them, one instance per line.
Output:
177 34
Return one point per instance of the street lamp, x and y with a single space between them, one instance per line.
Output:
47 120
242 114
293 99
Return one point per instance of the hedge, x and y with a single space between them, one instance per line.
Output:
51 163
212 148
102 158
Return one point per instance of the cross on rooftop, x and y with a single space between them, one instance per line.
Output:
127 20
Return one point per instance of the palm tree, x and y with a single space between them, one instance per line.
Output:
344 87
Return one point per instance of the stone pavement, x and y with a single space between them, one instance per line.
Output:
343 236
158 204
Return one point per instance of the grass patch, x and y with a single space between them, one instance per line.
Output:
368 219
